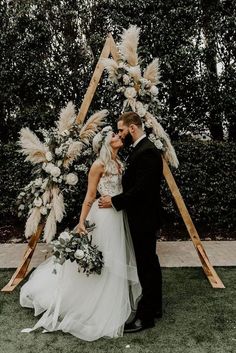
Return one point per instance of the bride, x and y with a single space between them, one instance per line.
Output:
98 305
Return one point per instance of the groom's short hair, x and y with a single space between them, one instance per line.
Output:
129 118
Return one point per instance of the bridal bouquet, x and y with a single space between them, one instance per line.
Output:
74 247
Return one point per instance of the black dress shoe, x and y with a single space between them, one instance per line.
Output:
138 325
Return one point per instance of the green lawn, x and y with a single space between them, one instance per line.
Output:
197 319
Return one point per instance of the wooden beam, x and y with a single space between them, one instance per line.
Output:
23 269
207 267
94 82
114 50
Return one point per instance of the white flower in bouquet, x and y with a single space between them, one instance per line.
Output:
43 210
49 205
48 156
38 202
130 92
140 109
44 184
158 144
59 163
49 167
65 236
126 79
55 179
59 180
145 82
148 124
22 193
55 172
58 151
38 182
79 254
71 179
154 90
21 207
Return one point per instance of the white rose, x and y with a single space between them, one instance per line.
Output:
58 151
130 92
65 236
21 207
55 172
48 156
141 111
154 90
79 254
71 179
38 182
126 79
49 167
43 210
38 202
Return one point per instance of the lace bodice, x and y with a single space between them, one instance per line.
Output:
111 184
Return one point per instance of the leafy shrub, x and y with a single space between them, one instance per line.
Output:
205 177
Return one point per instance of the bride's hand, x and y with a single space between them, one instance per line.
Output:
80 229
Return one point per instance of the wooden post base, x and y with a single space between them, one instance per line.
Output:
24 268
206 265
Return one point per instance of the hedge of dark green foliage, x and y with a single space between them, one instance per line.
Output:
206 178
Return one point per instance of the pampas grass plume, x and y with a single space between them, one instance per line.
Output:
32 222
50 227
32 147
129 45
90 128
67 118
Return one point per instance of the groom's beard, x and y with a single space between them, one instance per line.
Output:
128 140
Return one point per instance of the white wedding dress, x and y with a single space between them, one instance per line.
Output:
94 306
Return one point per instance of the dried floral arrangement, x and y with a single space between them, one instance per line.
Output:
138 88
57 168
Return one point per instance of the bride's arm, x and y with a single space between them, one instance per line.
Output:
94 176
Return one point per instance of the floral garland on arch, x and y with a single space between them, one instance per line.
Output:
55 171
139 89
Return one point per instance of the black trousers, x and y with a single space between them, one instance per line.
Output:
149 272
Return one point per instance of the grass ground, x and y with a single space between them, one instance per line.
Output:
197 319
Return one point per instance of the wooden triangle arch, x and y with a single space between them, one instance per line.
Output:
24 268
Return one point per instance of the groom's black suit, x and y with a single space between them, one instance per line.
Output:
141 200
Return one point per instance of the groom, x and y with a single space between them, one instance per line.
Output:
141 200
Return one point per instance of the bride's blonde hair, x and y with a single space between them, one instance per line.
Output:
102 148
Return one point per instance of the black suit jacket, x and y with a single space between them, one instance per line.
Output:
141 188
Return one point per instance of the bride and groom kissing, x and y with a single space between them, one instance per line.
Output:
127 296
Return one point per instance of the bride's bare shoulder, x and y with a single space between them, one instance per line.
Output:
97 167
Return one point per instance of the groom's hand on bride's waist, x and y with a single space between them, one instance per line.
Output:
104 202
